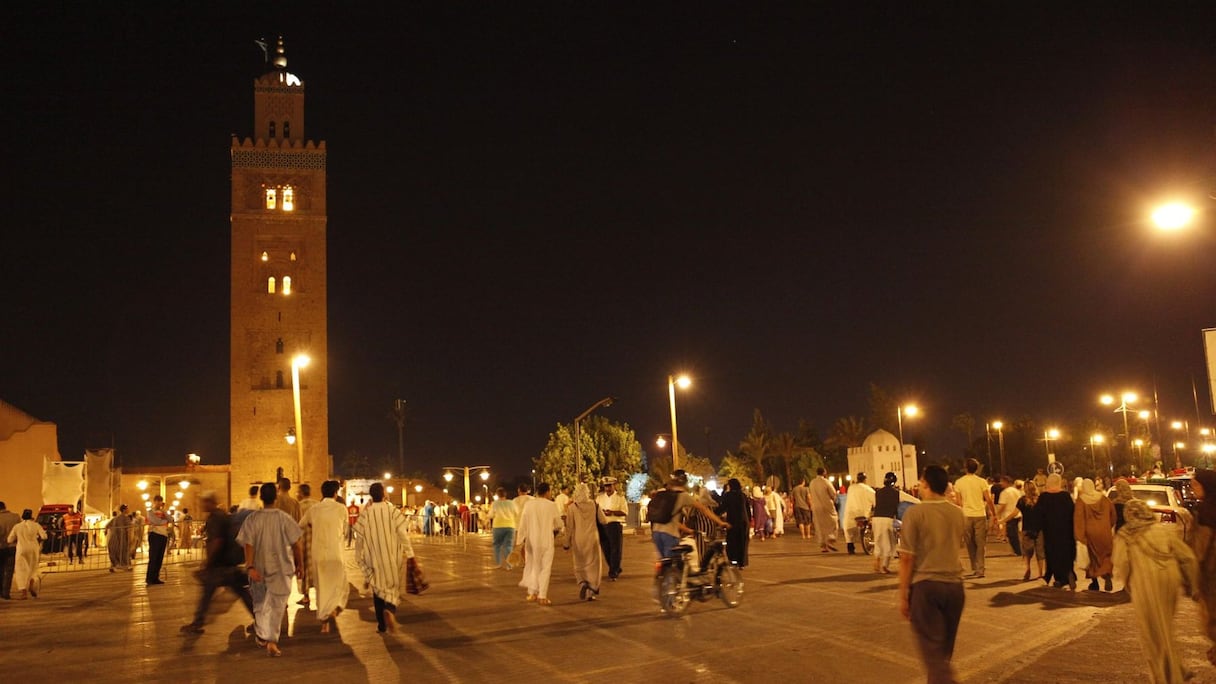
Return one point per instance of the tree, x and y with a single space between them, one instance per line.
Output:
883 410
354 464
608 449
738 467
965 423
849 431
756 444
787 448
806 465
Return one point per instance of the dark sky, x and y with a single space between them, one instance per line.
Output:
536 205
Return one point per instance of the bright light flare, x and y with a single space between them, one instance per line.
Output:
910 410
1053 434
683 382
997 425
1173 216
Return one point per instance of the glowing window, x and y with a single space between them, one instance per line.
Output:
286 285
293 256
289 198
278 346
272 129
270 285
286 129
271 198
265 256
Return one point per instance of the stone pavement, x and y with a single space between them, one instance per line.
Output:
805 616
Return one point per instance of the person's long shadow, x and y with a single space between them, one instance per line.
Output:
1052 598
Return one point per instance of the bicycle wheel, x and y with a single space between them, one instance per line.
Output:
729 581
672 599
867 540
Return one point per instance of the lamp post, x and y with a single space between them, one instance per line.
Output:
1048 435
900 411
1094 439
1124 399
1000 437
484 475
578 434
297 362
684 382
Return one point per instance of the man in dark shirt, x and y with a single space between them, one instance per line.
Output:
220 569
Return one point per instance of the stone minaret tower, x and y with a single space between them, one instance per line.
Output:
278 291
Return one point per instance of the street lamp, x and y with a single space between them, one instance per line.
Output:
1094 439
1124 399
1000 436
684 382
1173 216
297 362
1048 435
484 474
911 411
578 434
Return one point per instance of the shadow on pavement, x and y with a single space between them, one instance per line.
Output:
1052 598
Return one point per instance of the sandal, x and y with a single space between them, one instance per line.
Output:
543 602
530 598
325 627
272 650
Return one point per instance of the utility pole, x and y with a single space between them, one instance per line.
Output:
398 417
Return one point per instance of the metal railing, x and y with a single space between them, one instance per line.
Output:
89 550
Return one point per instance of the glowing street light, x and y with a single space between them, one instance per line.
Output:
484 475
1173 216
1094 439
911 411
684 382
1049 435
297 362
1124 399
1000 437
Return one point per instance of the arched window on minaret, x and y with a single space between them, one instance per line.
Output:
270 285
265 256
293 256
278 379
286 129
272 130
289 198
278 346
286 285
272 198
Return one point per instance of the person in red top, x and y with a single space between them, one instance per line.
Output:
72 523
352 516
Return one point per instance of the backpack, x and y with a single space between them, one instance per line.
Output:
662 506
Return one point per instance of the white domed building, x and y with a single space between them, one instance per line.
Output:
880 454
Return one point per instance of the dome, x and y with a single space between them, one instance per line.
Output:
881 438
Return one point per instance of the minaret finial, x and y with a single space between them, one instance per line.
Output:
280 55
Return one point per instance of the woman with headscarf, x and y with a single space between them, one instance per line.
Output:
759 514
28 536
1123 494
583 518
1203 542
1032 529
118 540
736 509
1056 509
1154 563
1093 520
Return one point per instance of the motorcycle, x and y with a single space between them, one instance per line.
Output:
678 582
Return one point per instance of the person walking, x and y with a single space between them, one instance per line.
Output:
1031 536
931 594
858 503
8 551
1093 522
976 499
1154 563
502 524
1008 515
537 524
221 564
272 557
158 539
1203 543
1123 494
802 508
306 581
736 510
583 518
324 523
1056 511
28 536
760 519
614 506
382 544
774 505
823 510
886 508
118 540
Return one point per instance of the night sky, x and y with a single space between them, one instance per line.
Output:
536 205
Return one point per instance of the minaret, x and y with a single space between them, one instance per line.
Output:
278 291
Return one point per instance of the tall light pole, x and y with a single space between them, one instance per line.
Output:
398 416
684 382
1000 437
1094 439
297 362
900 411
1048 435
1124 399
484 475
578 433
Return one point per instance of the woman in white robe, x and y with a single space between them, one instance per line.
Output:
28 536
582 539
325 522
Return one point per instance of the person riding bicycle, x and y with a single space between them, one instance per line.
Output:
666 535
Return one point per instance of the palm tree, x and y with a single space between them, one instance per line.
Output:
787 447
849 431
755 445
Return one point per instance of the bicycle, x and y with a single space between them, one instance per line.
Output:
677 583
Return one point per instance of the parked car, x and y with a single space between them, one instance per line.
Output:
1166 502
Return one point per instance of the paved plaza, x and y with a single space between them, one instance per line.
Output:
805 616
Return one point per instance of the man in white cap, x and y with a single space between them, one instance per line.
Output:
613 504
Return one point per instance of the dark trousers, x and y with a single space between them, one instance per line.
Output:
156 555
612 537
381 605
78 544
935 609
1011 531
8 561
215 578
